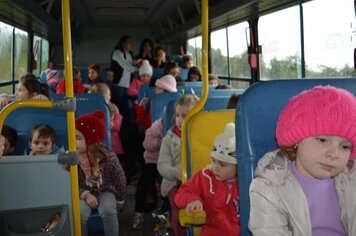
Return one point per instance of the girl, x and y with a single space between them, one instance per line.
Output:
102 182
145 74
115 117
29 87
43 141
160 58
194 74
94 76
169 159
78 87
166 83
146 50
146 186
172 68
215 188
307 187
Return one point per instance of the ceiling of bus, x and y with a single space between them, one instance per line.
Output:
162 17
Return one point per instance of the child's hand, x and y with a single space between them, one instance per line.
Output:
143 101
195 205
91 200
4 101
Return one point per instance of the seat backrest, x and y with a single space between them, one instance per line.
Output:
24 119
158 102
157 72
184 74
200 141
256 118
142 90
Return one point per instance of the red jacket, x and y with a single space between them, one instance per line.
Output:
143 117
135 87
222 216
77 87
115 137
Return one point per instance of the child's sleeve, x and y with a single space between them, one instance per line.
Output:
265 216
143 116
116 123
190 191
165 161
153 137
118 179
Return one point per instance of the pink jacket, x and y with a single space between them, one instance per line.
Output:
152 142
134 87
220 202
115 138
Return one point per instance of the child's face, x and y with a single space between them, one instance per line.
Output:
174 72
194 77
40 145
223 170
161 54
7 148
81 145
180 113
188 64
22 93
322 157
110 75
93 75
213 82
145 78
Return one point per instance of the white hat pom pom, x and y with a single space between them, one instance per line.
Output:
229 131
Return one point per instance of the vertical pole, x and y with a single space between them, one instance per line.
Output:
68 69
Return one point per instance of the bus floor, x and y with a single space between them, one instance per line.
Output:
125 220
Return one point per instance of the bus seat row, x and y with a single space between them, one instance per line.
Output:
256 118
159 72
24 119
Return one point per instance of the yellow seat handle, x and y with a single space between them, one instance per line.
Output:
197 217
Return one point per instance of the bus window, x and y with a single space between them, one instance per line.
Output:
6 38
44 54
238 61
20 51
194 49
218 52
328 38
41 54
279 35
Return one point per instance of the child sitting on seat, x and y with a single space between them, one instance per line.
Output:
307 186
42 141
10 136
145 74
78 87
102 182
215 189
94 76
169 159
29 87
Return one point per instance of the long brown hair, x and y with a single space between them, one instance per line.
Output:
289 152
97 153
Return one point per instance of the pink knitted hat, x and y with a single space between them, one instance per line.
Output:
324 110
168 83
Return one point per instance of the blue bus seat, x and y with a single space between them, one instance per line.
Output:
157 72
43 77
256 118
184 74
158 102
84 73
142 91
24 119
104 75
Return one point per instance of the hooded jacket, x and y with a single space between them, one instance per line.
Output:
219 201
278 203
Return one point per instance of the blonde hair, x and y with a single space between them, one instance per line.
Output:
189 100
101 88
97 153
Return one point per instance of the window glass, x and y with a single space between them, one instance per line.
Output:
21 49
219 52
37 54
6 32
44 54
6 89
329 38
238 57
194 49
191 49
279 36
240 84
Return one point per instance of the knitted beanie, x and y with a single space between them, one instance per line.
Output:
145 68
92 127
224 148
168 83
324 110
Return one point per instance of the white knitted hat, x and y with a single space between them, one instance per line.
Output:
145 68
224 148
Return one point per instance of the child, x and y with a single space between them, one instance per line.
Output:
146 186
169 159
213 80
194 74
166 83
146 50
187 61
233 101
307 187
42 141
102 182
172 68
215 188
160 58
145 73
78 87
10 136
29 87
94 76
115 117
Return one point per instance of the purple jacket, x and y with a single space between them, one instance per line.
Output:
152 142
